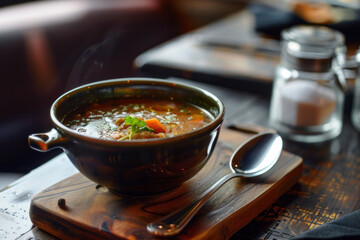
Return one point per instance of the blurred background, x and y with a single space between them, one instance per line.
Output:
48 47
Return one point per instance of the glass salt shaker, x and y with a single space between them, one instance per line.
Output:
309 83
355 113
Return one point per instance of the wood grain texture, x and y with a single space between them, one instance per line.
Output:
328 188
92 212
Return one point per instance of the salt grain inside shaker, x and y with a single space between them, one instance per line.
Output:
307 103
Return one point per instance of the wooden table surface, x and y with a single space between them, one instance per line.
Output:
197 56
328 188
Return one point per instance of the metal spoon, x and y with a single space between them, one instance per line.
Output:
253 158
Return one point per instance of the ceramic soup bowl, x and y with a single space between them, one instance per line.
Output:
140 166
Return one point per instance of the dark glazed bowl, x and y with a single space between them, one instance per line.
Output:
138 167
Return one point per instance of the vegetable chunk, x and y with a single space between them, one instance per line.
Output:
156 125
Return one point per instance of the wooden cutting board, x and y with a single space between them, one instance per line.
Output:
92 212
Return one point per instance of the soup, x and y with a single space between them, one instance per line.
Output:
136 118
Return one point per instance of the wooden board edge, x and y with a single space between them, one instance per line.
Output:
268 197
61 228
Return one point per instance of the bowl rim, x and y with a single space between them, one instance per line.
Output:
213 125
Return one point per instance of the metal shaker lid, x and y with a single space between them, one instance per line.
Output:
311 48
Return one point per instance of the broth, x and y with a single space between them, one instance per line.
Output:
136 118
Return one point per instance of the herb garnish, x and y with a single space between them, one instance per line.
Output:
137 125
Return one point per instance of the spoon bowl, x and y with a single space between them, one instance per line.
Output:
257 155
254 157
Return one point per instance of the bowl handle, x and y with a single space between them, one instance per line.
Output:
44 142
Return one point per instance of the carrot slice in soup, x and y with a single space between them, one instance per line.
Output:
155 124
197 118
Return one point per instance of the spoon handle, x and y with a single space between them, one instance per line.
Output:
175 222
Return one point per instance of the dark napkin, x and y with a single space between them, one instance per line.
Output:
346 227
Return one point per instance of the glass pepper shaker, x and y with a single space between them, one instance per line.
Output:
308 90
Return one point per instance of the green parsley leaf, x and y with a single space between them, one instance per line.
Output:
137 125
